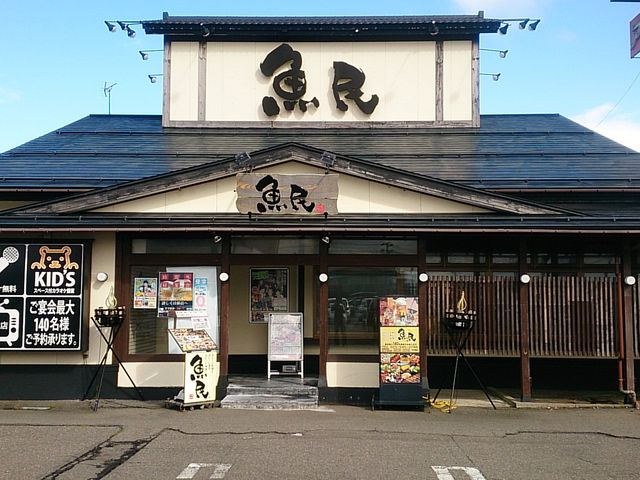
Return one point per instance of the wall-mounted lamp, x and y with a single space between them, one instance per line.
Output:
522 24
630 280
501 53
326 239
323 277
217 239
525 278
494 76
102 276
145 53
153 78
423 277
224 276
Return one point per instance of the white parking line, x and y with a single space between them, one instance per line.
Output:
444 473
219 470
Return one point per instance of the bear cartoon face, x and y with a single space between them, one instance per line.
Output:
55 258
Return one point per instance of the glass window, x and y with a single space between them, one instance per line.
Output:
149 319
266 245
599 259
433 258
465 257
354 294
164 245
504 258
373 246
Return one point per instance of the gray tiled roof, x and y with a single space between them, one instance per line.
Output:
507 152
319 27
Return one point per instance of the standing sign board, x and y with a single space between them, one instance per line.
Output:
399 352
41 289
286 342
201 368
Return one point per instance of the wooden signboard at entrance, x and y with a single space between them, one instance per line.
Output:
281 194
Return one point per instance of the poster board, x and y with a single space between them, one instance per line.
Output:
400 369
286 340
269 293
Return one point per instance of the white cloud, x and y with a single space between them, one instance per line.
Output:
622 128
8 95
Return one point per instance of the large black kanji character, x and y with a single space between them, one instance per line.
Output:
347 78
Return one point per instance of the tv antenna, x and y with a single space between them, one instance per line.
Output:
107 93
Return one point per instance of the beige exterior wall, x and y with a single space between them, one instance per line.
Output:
183 94
356 195
150 374
457 81
402 74
354 375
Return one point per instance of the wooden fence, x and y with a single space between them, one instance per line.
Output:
569 316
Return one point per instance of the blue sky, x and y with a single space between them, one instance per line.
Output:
57 55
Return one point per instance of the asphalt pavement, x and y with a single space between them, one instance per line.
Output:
144 440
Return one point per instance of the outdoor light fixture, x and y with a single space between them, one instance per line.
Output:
522 24
323 277
145 53
241 158
153 78
630 280
329 159
525 278
124 25
326 239
217 239
494 76
434 30
102 276
501 53
224 276
423 277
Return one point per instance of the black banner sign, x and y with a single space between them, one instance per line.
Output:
41 296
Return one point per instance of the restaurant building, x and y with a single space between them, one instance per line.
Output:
329 166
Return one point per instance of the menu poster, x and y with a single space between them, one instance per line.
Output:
399 311
192 340
399 340
285 336
145 292
176 292
269 289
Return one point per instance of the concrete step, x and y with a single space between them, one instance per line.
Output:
273 389
270 402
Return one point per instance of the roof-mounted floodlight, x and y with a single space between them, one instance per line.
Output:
124 25
145 53
501 53
523 23
153 78
494 76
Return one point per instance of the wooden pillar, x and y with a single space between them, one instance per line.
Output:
525 365
225 290
629 371
324 314
423 292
